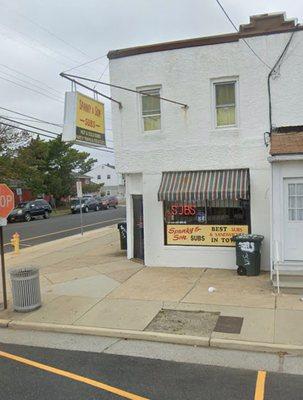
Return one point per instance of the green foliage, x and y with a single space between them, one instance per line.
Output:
49 166
92 187
10 141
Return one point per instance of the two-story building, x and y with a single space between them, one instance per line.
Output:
190 138
113 183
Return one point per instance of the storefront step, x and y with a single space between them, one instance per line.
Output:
292 281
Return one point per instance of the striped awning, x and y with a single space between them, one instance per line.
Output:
229 184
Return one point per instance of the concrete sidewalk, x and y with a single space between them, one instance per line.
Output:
88 286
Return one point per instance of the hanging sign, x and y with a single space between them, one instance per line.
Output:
83 120
203 235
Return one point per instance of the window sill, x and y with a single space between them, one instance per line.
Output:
150 133
226 129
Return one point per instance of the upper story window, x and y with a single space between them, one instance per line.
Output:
108 176
225 104
98 176
151 110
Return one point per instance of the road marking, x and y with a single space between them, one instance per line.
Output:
260 385
75 377
67 230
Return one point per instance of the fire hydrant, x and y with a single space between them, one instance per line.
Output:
15 241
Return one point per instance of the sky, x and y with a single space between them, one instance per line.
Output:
41 38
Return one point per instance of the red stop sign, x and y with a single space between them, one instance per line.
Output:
7 200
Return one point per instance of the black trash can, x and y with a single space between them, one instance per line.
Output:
248 254
123 235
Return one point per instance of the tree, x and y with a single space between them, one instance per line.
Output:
62 162
92 187
30 165
49 166
11 140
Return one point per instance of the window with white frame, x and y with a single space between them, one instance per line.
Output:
225 104
98 176
295 201
150 109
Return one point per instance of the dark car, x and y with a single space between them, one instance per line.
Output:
25 211
87 203
103 202
112 201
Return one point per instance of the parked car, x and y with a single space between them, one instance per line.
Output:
26 211
112 201
106 202
103 202
87 203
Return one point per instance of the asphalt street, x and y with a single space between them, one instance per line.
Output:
41 230
40 373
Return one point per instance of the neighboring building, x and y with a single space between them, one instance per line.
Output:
286 149
197 175
85 179
113 182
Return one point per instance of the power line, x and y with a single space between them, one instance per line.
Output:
85 63
29 77
29 83
48 31
109 149
244 40
35 41
27 130
29 126
33 44
30 116
107 65
33 90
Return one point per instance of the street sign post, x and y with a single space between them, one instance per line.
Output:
80 195
7 204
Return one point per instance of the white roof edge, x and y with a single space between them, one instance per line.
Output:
285 157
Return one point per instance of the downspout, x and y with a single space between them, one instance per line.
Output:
279 61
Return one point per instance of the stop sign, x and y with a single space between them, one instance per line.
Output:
7 200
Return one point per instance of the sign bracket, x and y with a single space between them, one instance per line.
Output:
91 89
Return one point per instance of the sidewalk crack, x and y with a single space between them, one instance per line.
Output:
194 285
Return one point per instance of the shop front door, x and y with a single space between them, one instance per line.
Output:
138 227
293 219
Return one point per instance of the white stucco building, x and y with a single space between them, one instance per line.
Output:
113 181
196 175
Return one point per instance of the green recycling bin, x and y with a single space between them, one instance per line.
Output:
123 235
248 254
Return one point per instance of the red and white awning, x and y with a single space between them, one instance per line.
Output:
229 184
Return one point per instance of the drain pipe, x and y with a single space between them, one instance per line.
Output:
278 62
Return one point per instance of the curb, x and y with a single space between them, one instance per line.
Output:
201 341
260 347
108 332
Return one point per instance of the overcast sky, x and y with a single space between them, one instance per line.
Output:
41 38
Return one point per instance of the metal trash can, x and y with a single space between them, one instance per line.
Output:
25 289
123 235
248 254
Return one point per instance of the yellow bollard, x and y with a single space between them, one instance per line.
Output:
15 241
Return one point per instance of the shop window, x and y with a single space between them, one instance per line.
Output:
225 104
151 110
211 223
